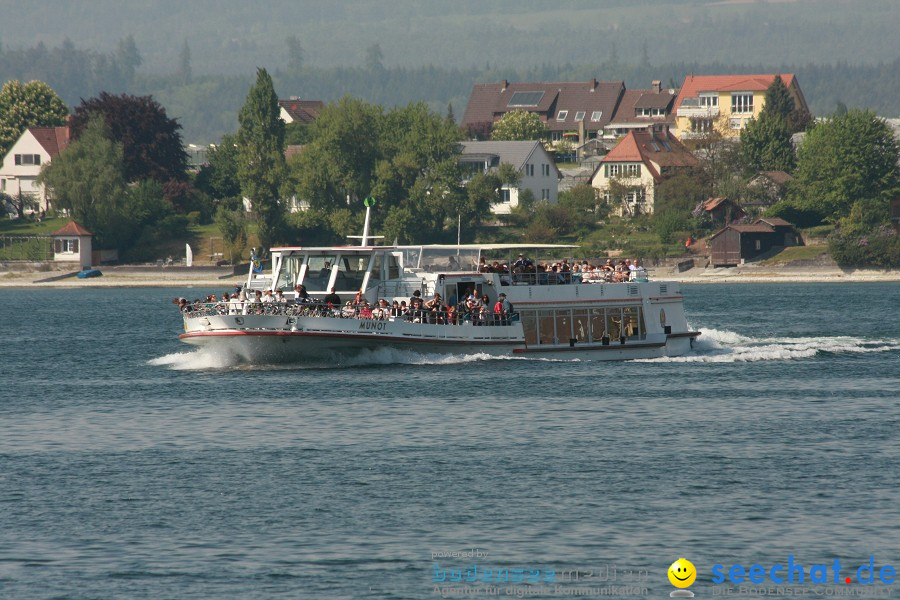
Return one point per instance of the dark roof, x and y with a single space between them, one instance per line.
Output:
779 177
71 228
490 101
651 99
773 221
743 229
514 153
53 139
304 111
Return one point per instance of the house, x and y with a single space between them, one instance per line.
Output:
576 111
720 210
639 163
642 109
72 243
534 164
37 146
735 244
725 103
771 186
299 111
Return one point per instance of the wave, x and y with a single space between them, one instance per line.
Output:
722 346
202 359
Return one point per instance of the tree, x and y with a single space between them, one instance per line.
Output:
844 160
218 177
295 53
88 180
766 144
519 125
374 58
32 104
340 162
779 102
127 58
183 74
150 140
233 225
261 165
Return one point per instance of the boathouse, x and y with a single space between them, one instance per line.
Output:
734 244
72 243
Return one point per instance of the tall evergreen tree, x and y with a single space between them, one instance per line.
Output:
261 166
766 144
780 102
296 55
184 73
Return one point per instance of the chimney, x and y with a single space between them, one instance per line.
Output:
656 85
505 85
593 84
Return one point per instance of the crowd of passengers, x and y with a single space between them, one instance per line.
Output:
470 308
525 270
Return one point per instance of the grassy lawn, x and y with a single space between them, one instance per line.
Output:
28 227
796 253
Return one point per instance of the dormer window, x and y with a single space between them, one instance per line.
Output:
579 116
561 116
596 115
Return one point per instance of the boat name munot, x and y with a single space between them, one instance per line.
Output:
376 325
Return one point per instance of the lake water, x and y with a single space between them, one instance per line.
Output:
132 466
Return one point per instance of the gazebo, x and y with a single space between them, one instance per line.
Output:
72 243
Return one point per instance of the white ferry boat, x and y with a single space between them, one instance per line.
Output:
556 315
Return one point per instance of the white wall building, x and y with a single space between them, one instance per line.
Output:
36 147
536 167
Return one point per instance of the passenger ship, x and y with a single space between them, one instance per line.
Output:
555 315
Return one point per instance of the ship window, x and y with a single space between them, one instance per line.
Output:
318 272
546 333
632 322
351 270
580 326
393 267
290 271
614 323
598 324
529 325
375 275
563 326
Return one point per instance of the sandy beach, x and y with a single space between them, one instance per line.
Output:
211 280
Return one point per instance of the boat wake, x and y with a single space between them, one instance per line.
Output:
722 346
204 359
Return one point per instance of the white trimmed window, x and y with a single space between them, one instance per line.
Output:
28 159
579 116
561 115
709 99
545 194
736 123
66 246
742 102
596 115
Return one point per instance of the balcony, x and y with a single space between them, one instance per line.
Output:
692 109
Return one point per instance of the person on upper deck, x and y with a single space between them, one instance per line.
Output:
522 263
332 299
301 296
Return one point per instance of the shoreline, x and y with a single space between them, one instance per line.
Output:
214 284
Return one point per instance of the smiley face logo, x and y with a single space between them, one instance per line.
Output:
682 573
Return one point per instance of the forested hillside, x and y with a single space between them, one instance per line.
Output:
232 37
198 58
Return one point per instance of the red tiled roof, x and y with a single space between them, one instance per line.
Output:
712 203
662 149
304 111
72 228
53 139
694 84
490 101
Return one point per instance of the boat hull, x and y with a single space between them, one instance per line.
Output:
259 339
